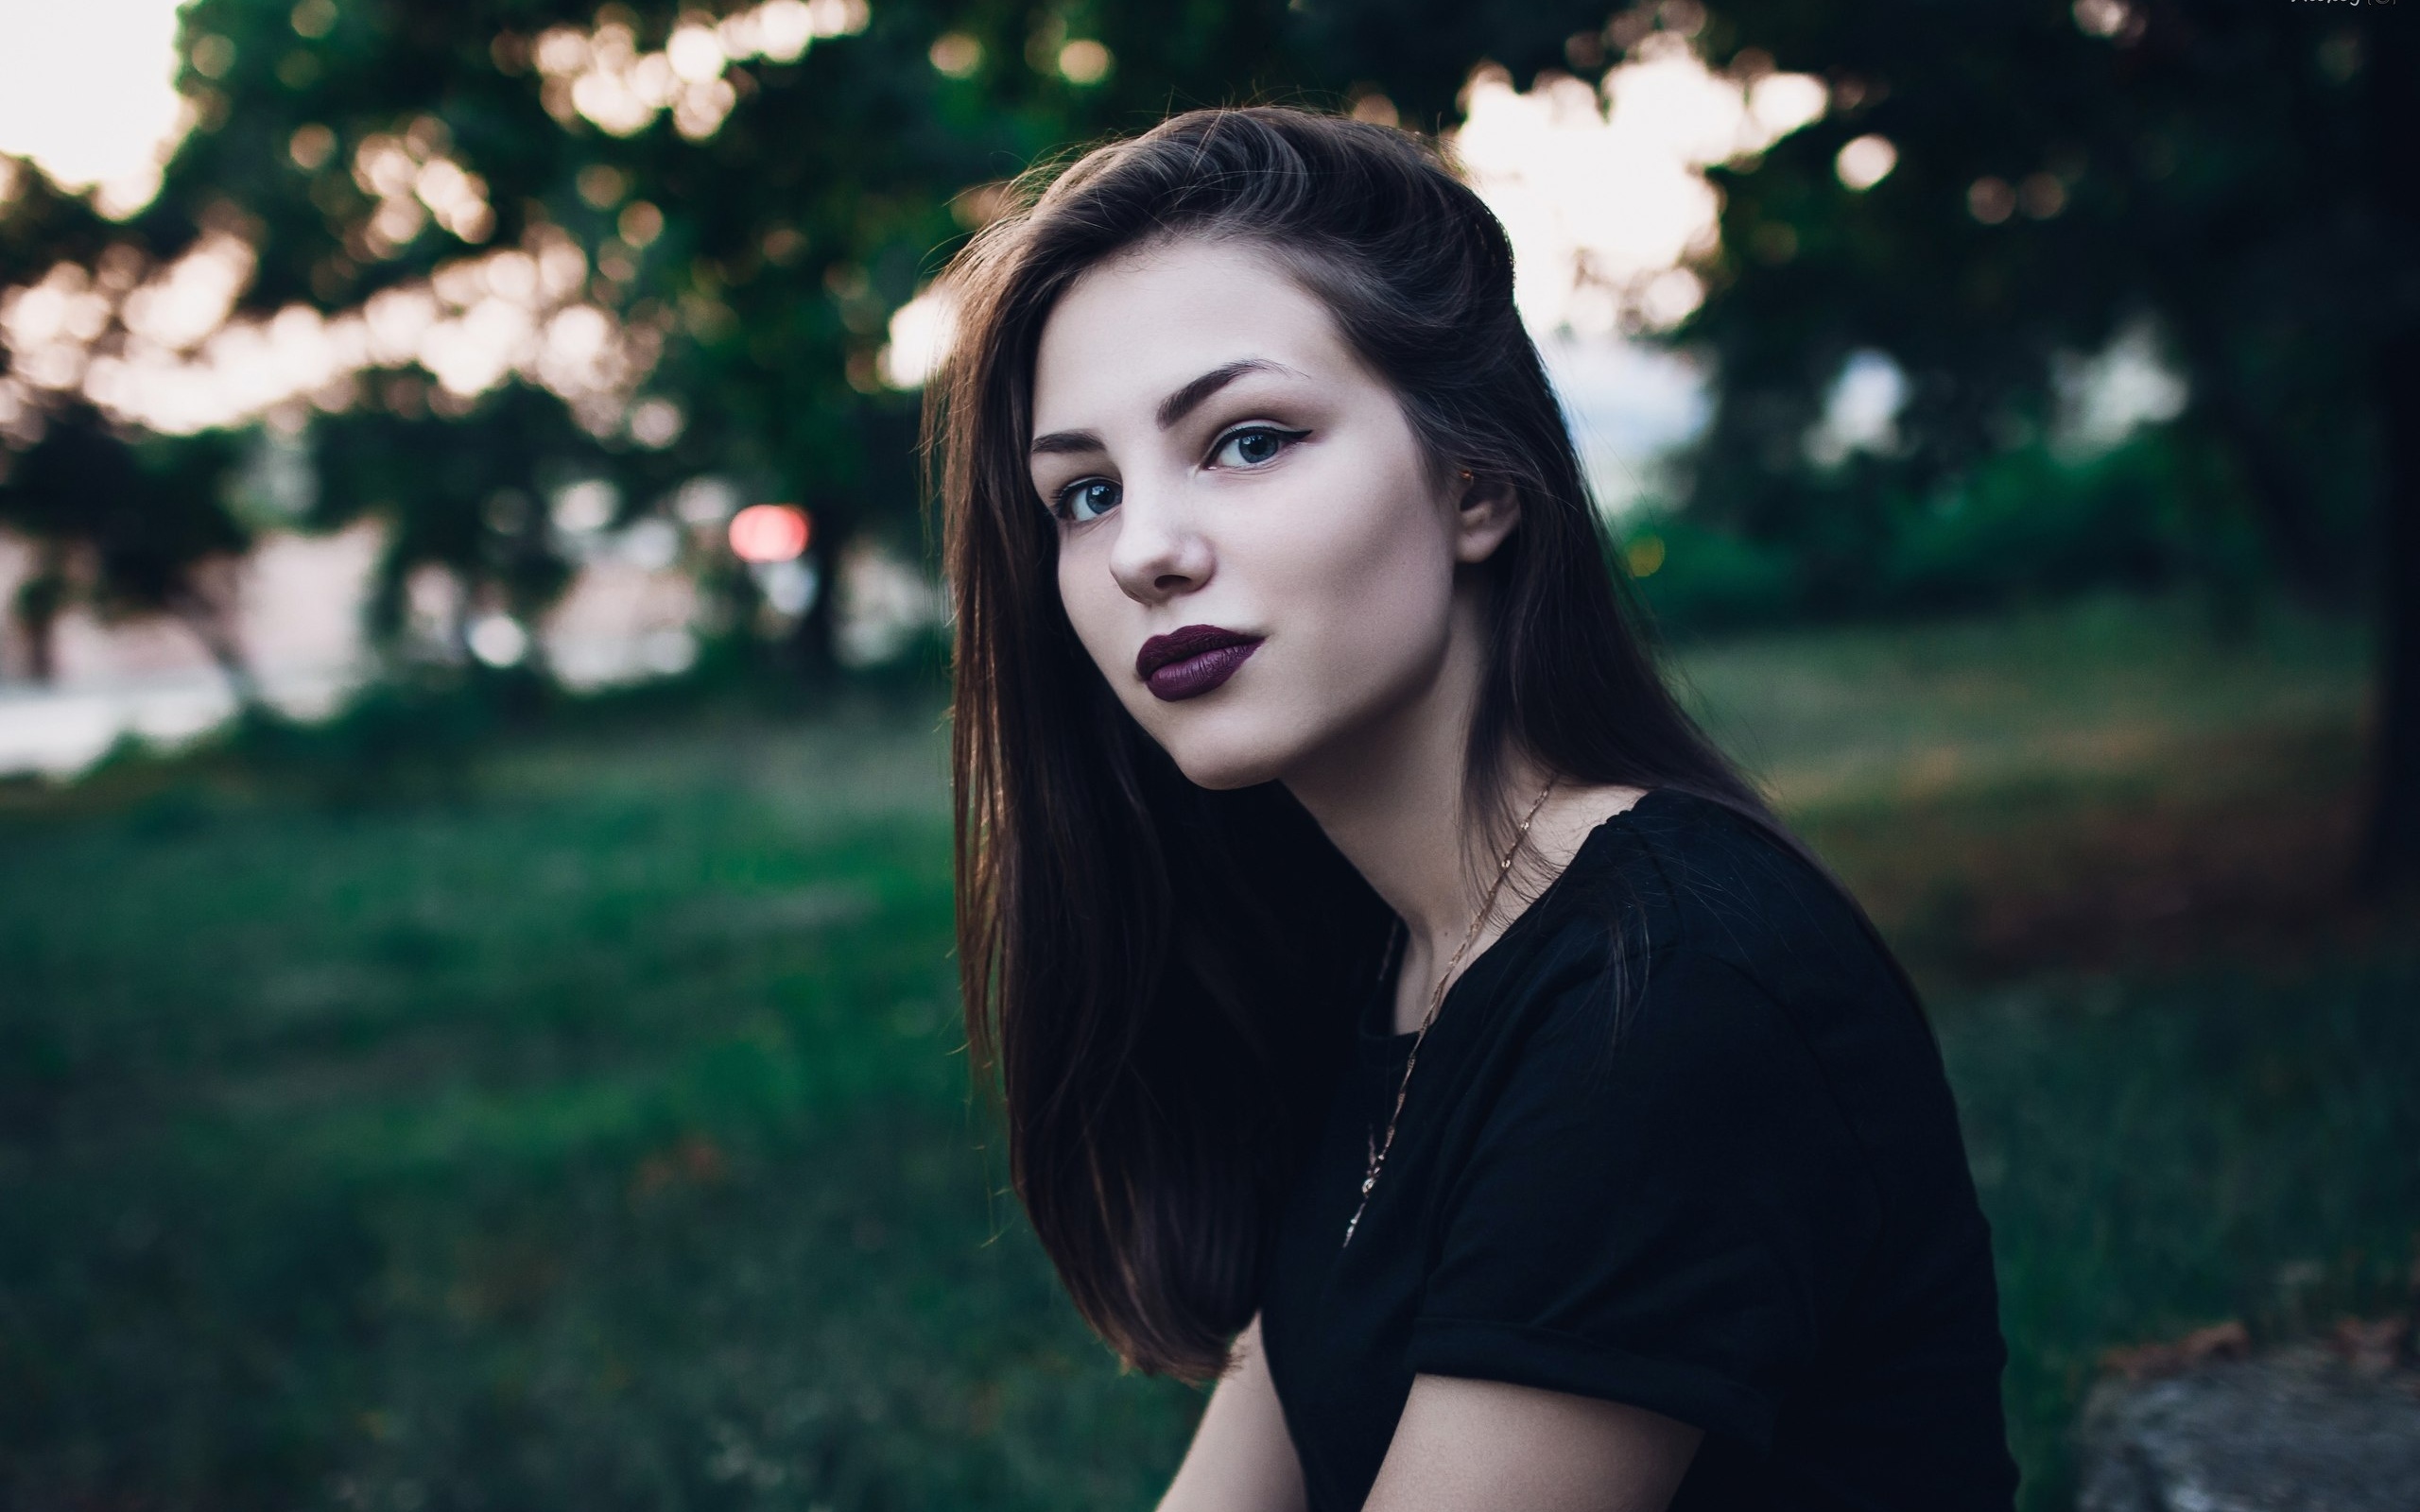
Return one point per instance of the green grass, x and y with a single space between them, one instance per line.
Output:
598 1140
593 1131
2085 693
2157 1157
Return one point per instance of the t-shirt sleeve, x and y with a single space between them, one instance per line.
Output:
1666 1220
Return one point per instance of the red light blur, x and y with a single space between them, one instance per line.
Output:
768 532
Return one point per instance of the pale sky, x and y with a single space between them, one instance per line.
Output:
85 89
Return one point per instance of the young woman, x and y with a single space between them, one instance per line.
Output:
1404 1015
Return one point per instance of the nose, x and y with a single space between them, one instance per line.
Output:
1159 552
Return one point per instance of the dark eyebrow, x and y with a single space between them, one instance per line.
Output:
1183 403
1172 409
1060 444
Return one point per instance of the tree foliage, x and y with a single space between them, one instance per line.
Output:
2232 173
2214 170
739 230
755 257
148 514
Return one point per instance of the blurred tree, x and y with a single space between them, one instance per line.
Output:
130 525
750 192
718 211
466 495
2001 189
702 222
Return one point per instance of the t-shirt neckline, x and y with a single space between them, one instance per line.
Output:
1376 1007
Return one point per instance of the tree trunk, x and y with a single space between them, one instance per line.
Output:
2236 425
2392 857
810 653
210 625
40 598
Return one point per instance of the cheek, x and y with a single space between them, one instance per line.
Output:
1369 576
1091 598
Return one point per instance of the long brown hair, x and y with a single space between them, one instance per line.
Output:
1162 975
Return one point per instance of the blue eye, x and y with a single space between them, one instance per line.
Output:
1252 445
1088 499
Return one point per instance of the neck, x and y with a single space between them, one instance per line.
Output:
1389 797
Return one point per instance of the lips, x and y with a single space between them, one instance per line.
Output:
1188 663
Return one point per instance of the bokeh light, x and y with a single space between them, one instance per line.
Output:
1866 161
768 532
957 55
921 333
1645 555
1991 200
603 77
1083 62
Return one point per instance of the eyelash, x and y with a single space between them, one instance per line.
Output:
1064 510
1286 436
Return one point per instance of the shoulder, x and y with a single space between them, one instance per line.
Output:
1681 875
1696 949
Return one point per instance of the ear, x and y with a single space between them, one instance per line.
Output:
1485 511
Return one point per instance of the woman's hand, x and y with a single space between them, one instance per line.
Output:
1486 1446
1242 1458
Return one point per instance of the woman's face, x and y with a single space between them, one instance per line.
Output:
1251 546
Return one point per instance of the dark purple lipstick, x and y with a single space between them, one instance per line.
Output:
1188 663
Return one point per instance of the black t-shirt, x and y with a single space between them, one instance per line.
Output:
1744 1205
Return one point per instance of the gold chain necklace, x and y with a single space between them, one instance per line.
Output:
1436 999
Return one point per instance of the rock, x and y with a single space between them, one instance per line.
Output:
2296 1431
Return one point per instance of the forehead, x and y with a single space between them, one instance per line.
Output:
1136 327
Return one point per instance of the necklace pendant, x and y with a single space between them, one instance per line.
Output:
1436 999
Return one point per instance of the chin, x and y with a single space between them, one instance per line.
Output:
1225 776
1223 768
1220 758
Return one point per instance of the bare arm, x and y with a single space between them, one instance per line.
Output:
1242 1458
1475 1446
